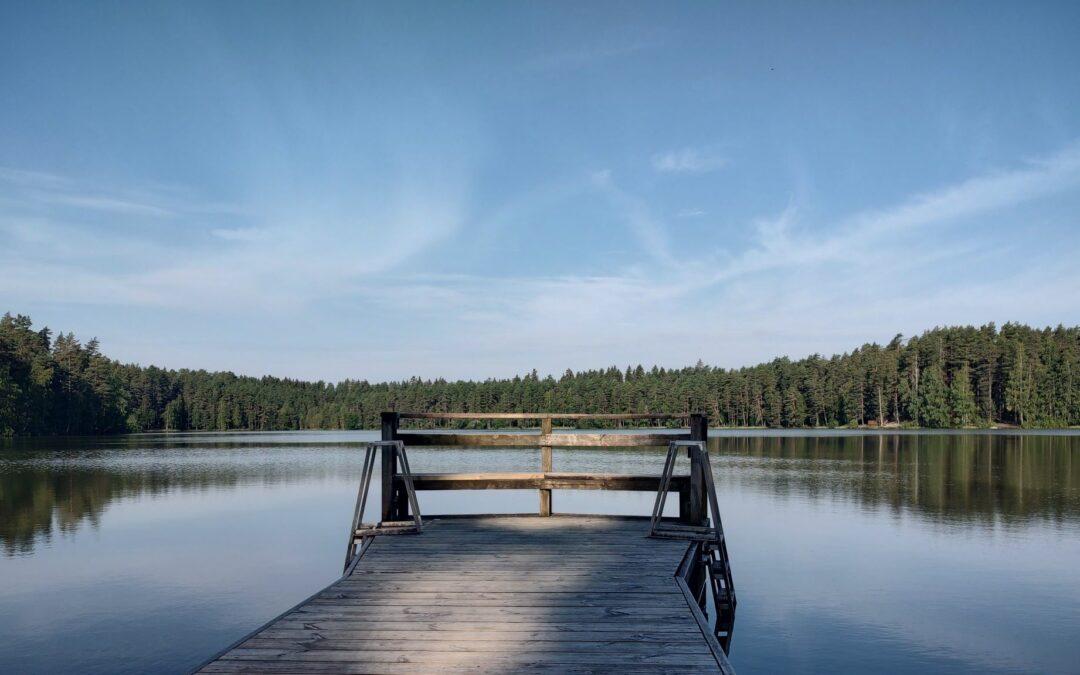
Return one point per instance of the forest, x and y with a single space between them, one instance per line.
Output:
958 377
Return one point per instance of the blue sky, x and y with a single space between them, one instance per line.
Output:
381 190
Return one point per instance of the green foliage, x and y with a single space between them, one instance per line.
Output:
962 399
174 417
933 400
1019 390
956 376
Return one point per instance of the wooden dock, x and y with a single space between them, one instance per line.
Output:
511 593
564 594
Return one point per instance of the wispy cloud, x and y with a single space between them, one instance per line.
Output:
45 191
865 235
801 288
66 241
689 160
594 49
690 213
798 286
108 204
648 231
238 233
30 178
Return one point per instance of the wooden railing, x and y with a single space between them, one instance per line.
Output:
705 573
691 487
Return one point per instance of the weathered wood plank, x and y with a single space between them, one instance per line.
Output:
435 586
512 542
510 636
541 481
537 615
513 646
451 666
409 656
506 561
529 542
561 522
538 440
546 466
494 594
554 534
355 623
530 564
406 546
539 416
613 614
523 569
556 550
510 578
340 598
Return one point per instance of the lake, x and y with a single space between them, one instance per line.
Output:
885 552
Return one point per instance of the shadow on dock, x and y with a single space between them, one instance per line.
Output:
495 594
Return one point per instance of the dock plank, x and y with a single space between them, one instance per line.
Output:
490 594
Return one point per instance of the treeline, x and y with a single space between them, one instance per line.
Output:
947 377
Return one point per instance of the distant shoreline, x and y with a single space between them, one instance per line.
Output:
715 432
959 378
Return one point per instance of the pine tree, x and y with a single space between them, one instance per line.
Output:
962 398
933 400
175 415
1019 384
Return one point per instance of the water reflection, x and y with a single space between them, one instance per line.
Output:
986 478
851 552
45 493
990 479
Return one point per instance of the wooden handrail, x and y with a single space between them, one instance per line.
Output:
541 416
705 575
394 502
549 480
540 440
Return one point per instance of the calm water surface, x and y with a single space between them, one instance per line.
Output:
904 552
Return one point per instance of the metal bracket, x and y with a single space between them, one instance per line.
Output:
361 530
711 533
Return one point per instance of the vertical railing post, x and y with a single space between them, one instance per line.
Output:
699 431
545 467
699 498
388 468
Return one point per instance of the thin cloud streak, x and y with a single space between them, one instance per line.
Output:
650 233
238 233
780 246
595 49
276 255
688 160
109 204
38 191
794 291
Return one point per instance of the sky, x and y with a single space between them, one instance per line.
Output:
470 190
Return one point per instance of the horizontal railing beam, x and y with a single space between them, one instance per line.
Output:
537 440
539 416
546 481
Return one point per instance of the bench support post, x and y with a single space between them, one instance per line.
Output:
388 467
545 467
